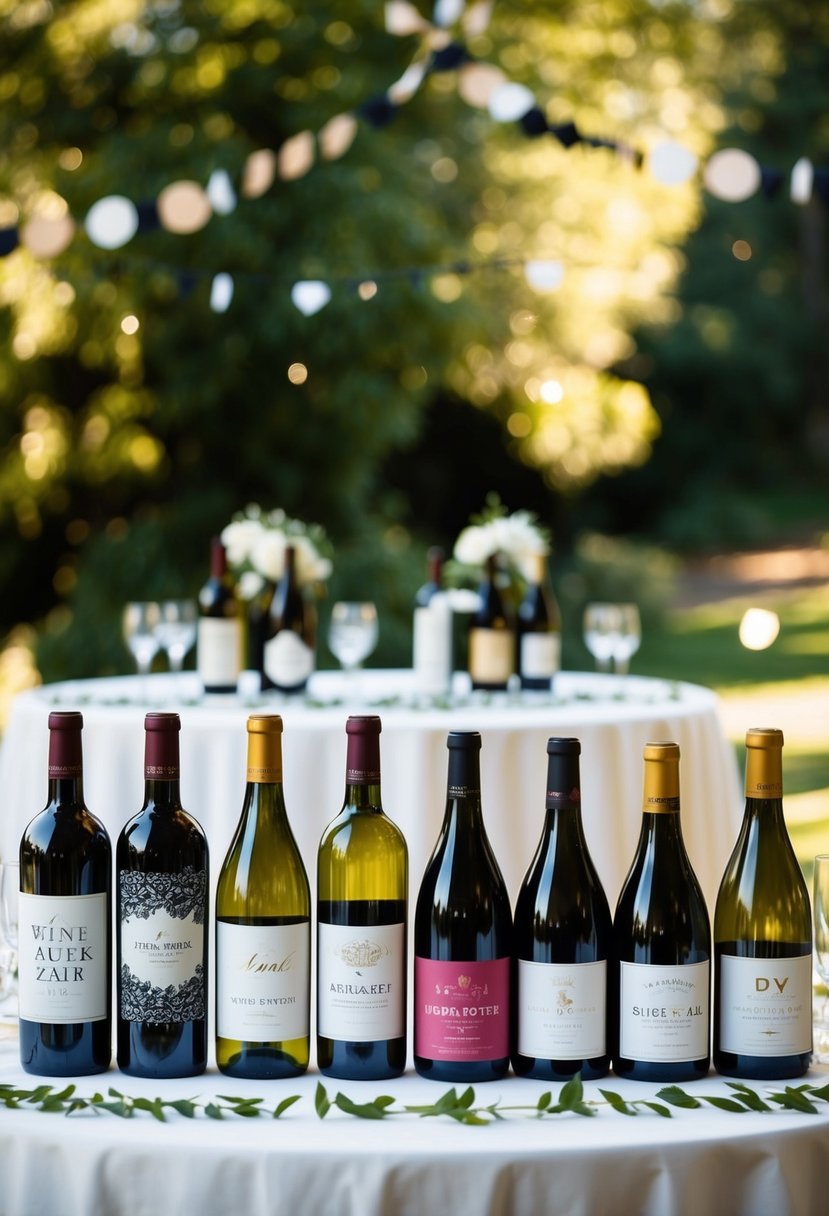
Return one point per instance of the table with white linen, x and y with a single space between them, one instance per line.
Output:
613 716
698 1163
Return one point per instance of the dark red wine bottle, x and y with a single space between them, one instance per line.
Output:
219 645
65 948
162 894
288 656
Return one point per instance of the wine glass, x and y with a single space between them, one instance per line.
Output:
821 915
628 639
9 893
352 635
602 630
140 623
175 630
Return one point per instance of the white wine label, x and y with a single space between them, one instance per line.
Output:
288 660
664 1012
361 986
262 982
64 977
432 646
219 651
540 655
562 1010
162 946
765 1005
491 655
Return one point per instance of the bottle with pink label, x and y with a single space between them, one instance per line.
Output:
463 939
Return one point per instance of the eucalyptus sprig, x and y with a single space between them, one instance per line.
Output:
460 1107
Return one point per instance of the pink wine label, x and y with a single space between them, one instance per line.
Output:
461 1010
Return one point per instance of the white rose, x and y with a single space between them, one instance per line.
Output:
240 539
250 584
475 544
268 556
309 566
522 538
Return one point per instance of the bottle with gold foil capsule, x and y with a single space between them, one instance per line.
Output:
763 935
263 927
662 939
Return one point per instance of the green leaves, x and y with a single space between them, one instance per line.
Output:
68 1102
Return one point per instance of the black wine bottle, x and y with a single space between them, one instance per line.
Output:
763 935
362 890
290 634
491 659
219 640
263 927
65 946
463 938
539 631
662 940
563 936
162 893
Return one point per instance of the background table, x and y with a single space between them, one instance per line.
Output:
614 717
699 1163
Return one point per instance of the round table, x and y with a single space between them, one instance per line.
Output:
698 1163
613 716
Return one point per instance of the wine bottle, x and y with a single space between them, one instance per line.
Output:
263 927
161 913
563 936
662 940
219 639
539 631
763 935
289 644
362 885
65 945
491 635
432 632
463 938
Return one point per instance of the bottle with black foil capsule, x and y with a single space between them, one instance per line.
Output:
161 919
662 942
463 939
563 941
539 631
362 891
219 640
288 657
491 659
65 944
263 927
763 935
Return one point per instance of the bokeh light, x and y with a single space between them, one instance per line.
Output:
759 628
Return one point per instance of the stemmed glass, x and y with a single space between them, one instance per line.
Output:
628 639
602 631
352 636
175 630
140 623
9 892
821 914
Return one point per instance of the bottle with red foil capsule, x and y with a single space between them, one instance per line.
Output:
362 889
463 939
65 947
161 917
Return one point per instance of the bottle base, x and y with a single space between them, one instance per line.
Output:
381 1061
758 1068
472 1072
661 1071
261 1064
560 1070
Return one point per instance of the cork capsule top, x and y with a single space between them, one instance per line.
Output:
563 747
464 740
363 724
661 787
65 719
264 724
764 736
661 751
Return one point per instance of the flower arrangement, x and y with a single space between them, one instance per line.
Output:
518 538
256 540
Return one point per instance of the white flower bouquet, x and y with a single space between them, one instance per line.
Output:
518 539
256 540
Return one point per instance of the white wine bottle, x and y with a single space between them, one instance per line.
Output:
263 927
763 935
662 939
362 885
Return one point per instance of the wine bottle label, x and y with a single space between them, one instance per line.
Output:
219 651
664 1012
262 982
288 660
162 946
765 1005
64 977
361 985
562 1010
540 655
491 655
461 1010
432 648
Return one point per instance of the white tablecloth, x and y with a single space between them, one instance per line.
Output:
614 717
699 1163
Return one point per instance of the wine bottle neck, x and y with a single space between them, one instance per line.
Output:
362 770
463 787
66 793
766 811
265 801
661 830
363 795
162 793
764 774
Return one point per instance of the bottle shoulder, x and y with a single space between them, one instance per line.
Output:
357 828
60 829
